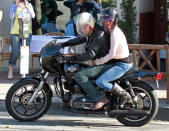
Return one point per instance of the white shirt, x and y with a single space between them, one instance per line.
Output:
118 47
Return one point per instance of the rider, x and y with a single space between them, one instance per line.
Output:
97 46
118 56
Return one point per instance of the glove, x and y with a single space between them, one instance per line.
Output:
61 47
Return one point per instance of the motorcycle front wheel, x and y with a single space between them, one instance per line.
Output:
146 100
19 95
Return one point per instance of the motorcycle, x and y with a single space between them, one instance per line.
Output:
30 98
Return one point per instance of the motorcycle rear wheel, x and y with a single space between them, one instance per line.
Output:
18 96
151 97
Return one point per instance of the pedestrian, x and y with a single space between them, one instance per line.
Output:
17 8
97 9
75 11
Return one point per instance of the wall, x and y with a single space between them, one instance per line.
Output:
63 19
5 23
146 6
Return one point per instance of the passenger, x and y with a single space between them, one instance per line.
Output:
118 56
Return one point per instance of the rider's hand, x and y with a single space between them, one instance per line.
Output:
61 47
22 5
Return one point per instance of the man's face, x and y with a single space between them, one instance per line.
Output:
109 25
108 22
85 30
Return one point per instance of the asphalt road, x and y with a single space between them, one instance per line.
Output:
61 120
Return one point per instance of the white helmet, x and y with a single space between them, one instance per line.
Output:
85 24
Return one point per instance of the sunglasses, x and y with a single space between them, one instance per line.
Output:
105 19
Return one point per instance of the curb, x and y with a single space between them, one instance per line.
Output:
2 105
163 114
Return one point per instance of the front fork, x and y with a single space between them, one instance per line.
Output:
43 75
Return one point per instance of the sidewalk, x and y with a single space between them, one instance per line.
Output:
163 113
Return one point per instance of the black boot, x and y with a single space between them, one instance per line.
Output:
123 94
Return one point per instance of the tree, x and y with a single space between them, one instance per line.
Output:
109 3
37 21
128 22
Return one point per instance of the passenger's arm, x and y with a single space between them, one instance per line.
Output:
112 52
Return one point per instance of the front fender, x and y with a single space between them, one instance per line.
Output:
37 80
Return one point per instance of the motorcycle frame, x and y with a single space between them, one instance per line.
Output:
43 76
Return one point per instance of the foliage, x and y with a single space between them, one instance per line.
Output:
109 3
38 16
128 22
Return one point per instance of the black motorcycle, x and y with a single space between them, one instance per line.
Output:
30 98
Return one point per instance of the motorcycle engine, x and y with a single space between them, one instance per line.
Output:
75 97
68 80
80 101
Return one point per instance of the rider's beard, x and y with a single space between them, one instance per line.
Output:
110 28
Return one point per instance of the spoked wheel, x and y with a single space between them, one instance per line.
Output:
17 101
146 100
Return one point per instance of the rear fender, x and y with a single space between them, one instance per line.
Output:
142 74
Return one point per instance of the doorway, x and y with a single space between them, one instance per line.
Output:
153 22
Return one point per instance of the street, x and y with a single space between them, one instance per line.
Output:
58 119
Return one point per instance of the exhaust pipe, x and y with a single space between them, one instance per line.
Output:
129 113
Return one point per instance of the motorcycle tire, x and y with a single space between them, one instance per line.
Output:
153 110
13 101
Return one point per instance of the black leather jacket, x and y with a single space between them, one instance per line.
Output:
97 45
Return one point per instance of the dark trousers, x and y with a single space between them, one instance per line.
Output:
84 77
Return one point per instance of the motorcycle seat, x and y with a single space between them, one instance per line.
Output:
131 71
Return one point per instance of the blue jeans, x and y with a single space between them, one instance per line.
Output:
15 45
115 72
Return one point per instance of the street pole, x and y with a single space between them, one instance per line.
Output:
24 23
23 75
